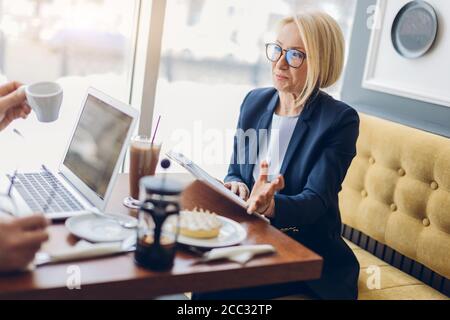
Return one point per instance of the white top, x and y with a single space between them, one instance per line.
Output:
279 136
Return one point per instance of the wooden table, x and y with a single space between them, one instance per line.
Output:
117 277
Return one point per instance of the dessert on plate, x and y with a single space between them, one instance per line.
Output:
199 224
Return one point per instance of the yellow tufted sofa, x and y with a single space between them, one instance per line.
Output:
395 207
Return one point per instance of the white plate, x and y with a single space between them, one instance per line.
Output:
97 229
231 233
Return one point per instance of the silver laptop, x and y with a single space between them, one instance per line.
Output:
88 171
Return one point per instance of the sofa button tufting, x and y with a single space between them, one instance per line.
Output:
434 185
426 222
364 194
401 172
394 207
372 161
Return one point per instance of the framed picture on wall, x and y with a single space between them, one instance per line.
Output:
408 50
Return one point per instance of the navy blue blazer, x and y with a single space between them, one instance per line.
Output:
319 154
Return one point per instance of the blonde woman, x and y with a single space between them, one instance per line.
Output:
311 140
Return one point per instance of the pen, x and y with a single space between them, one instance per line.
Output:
260 216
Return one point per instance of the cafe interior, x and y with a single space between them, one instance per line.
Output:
119 184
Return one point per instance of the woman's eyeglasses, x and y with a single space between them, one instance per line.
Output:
294 57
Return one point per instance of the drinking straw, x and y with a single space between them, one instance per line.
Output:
156 130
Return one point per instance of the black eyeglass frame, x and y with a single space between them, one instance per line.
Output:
285 52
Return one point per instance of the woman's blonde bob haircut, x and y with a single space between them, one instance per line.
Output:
325 49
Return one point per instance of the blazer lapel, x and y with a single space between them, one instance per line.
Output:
300 131
263 124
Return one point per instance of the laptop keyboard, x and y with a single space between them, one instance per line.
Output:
43 192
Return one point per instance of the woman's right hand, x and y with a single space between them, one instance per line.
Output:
13 104
239 189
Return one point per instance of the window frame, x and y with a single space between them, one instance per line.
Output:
147 58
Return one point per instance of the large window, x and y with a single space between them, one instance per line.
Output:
212 55
79 43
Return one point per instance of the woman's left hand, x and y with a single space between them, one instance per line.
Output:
262 199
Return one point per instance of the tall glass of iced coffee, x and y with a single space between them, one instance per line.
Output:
144 158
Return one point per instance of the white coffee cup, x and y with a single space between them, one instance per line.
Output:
45 98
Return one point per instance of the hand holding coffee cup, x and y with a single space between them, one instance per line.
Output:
45 98
13 104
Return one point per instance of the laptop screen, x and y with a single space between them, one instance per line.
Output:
96 144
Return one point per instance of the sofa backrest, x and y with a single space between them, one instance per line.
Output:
397 191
